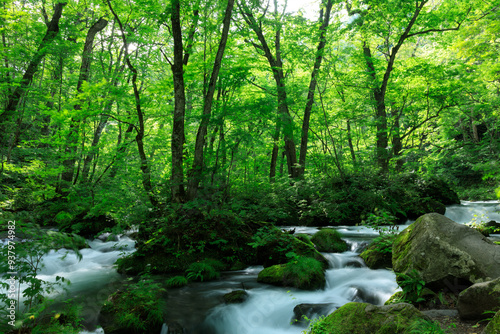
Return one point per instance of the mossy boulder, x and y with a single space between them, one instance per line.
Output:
362 318
445 253
329 240
493 326
379 253
275 247
479 298
302 273
235 297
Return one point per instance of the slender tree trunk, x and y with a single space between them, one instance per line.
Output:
14 98
274 154
140 130
312 84
177 179
276 64
72 138
197 169
349 142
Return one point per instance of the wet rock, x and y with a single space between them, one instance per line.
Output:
446 254
479 298
175 328
362 295
370 319
234 297
302 313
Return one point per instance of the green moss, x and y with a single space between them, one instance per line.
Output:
493 326
395 298
361 318
307 250
401 246
379 253
304 238
329 240
302 273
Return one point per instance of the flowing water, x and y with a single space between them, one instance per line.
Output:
199 308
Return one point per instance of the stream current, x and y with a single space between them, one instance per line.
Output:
199 308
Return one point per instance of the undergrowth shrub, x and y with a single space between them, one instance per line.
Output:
137 308
176 282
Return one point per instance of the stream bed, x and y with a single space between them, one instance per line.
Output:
199 308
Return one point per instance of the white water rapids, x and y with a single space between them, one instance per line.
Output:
198 307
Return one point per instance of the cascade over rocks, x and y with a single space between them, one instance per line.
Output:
479 298
447 254
361 318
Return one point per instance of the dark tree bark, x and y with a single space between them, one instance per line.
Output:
140 129
15 97
177 146
312 84
197 169
72 139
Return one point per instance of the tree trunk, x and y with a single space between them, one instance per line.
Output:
197 169
351 146
177 146
274 154
312 85
140 130
14 98
276 64
72 139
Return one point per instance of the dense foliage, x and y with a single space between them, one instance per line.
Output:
205 123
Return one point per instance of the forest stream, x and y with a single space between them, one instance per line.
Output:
199 308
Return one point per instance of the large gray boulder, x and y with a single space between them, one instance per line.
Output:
446 254
479 298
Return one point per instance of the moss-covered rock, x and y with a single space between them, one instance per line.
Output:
379 253
361 318
235 297
445 253
276 247
396 298
329 240
493 326
302 273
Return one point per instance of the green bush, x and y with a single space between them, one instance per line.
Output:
329 240
137 308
